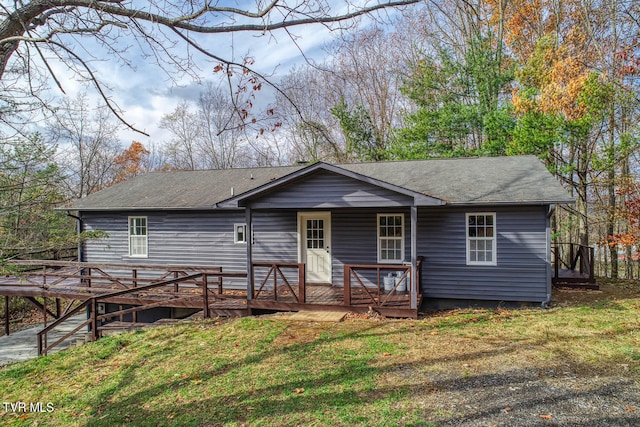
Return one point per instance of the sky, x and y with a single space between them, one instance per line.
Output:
145 93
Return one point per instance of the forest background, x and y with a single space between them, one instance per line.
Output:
558 79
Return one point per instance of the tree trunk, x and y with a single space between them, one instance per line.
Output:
611 190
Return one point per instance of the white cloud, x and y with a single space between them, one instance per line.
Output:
145 93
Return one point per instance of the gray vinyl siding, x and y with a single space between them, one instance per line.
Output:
355 239
207 238
275 236
275 239
521 270
174 238
324 190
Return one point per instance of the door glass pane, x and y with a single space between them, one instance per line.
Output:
315 233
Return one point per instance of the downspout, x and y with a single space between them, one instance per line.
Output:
79 231
551 209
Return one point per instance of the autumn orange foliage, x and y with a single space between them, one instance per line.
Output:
131 162
632 213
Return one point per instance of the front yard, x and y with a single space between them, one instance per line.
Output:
577 363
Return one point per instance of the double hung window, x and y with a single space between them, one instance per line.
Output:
390 238
138 242
481 239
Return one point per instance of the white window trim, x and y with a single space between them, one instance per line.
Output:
402 237
235 233
146 237
493 239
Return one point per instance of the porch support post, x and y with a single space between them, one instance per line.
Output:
414 257
249 237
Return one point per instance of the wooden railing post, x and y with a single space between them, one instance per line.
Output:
205 291
347 285
556 260
250 285
302 294
94 319
275 282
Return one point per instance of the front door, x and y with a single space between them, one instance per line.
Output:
315 245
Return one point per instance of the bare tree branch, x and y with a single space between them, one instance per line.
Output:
54 23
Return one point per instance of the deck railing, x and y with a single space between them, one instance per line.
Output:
200 279
188 286
574 258
359 290
275 286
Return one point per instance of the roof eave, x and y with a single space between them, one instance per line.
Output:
138 208
514 203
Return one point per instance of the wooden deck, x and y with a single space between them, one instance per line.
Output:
136 288
231 303
331 298
573 266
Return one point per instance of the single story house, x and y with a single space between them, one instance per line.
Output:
477 227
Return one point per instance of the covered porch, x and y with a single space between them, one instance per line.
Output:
353 236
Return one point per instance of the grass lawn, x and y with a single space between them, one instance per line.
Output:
265 371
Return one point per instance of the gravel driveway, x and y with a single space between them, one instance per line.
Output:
522 397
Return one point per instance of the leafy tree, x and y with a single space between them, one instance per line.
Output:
363 142
560 106
29 190
461 103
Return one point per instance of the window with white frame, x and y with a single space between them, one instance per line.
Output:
481 239
138 244
240 233
390 238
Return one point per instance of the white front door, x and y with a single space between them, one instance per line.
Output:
315 245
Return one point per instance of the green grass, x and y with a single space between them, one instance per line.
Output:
268 372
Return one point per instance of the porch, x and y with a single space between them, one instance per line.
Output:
283 287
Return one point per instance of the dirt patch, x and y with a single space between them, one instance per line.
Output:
610 290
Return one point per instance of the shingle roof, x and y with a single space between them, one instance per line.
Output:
474 180
484 180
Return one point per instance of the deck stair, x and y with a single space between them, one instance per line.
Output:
573 266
